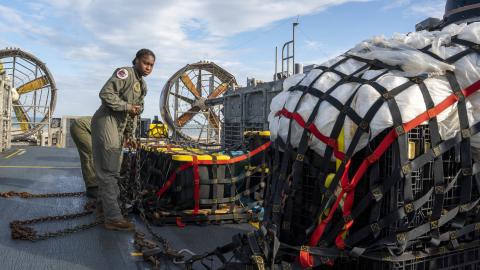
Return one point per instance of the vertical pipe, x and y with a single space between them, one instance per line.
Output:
2 101
35 100
293 46
13 85
283 49
175 107
276 60
295 24
49 134
288 59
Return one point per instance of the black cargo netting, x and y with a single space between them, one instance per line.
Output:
407 191
184 185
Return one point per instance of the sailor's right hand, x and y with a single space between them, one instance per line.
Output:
134 110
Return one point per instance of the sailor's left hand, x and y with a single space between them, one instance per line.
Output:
130 143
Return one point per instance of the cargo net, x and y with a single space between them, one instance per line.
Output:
190 185
376 151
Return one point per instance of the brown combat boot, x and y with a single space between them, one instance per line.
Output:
120 225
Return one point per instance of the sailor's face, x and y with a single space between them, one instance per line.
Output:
145 65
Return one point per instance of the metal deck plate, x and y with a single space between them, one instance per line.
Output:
42 170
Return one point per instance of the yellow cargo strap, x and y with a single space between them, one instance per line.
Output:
338 162
189 158
265 133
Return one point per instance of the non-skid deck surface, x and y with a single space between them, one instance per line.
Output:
42 170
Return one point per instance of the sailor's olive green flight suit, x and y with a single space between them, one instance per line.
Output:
82 136
111 124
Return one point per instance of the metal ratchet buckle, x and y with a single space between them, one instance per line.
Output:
183 261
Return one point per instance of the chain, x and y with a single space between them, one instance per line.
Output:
131 194
137 189
20 231
28 195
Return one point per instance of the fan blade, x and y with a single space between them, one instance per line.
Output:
219 90
186 99
36 84
21 116
214 120
189 84
186 116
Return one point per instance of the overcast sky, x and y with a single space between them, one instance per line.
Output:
83 41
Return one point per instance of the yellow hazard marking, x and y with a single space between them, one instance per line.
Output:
12 154
38 167
256 225
136 254
16 152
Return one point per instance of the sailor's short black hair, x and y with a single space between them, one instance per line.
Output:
141 53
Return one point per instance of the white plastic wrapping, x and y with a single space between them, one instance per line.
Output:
401 50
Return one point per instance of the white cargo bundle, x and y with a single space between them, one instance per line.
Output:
404 53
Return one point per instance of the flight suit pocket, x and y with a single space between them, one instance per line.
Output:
112 160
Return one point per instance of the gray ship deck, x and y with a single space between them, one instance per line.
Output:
42 170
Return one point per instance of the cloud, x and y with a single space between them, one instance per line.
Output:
431 8
396 4
13 21
312 44
88 52
170 27
90 38
424 8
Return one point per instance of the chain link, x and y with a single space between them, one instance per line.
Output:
132 194
28 195
20 231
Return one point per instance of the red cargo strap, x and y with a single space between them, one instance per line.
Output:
179 222
196 187
187 165
172 178
320 229
314 130
250 154
305 258
349 186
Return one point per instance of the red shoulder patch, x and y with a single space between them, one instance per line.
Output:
122 74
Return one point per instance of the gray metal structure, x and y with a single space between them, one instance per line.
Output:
5 110
247 109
